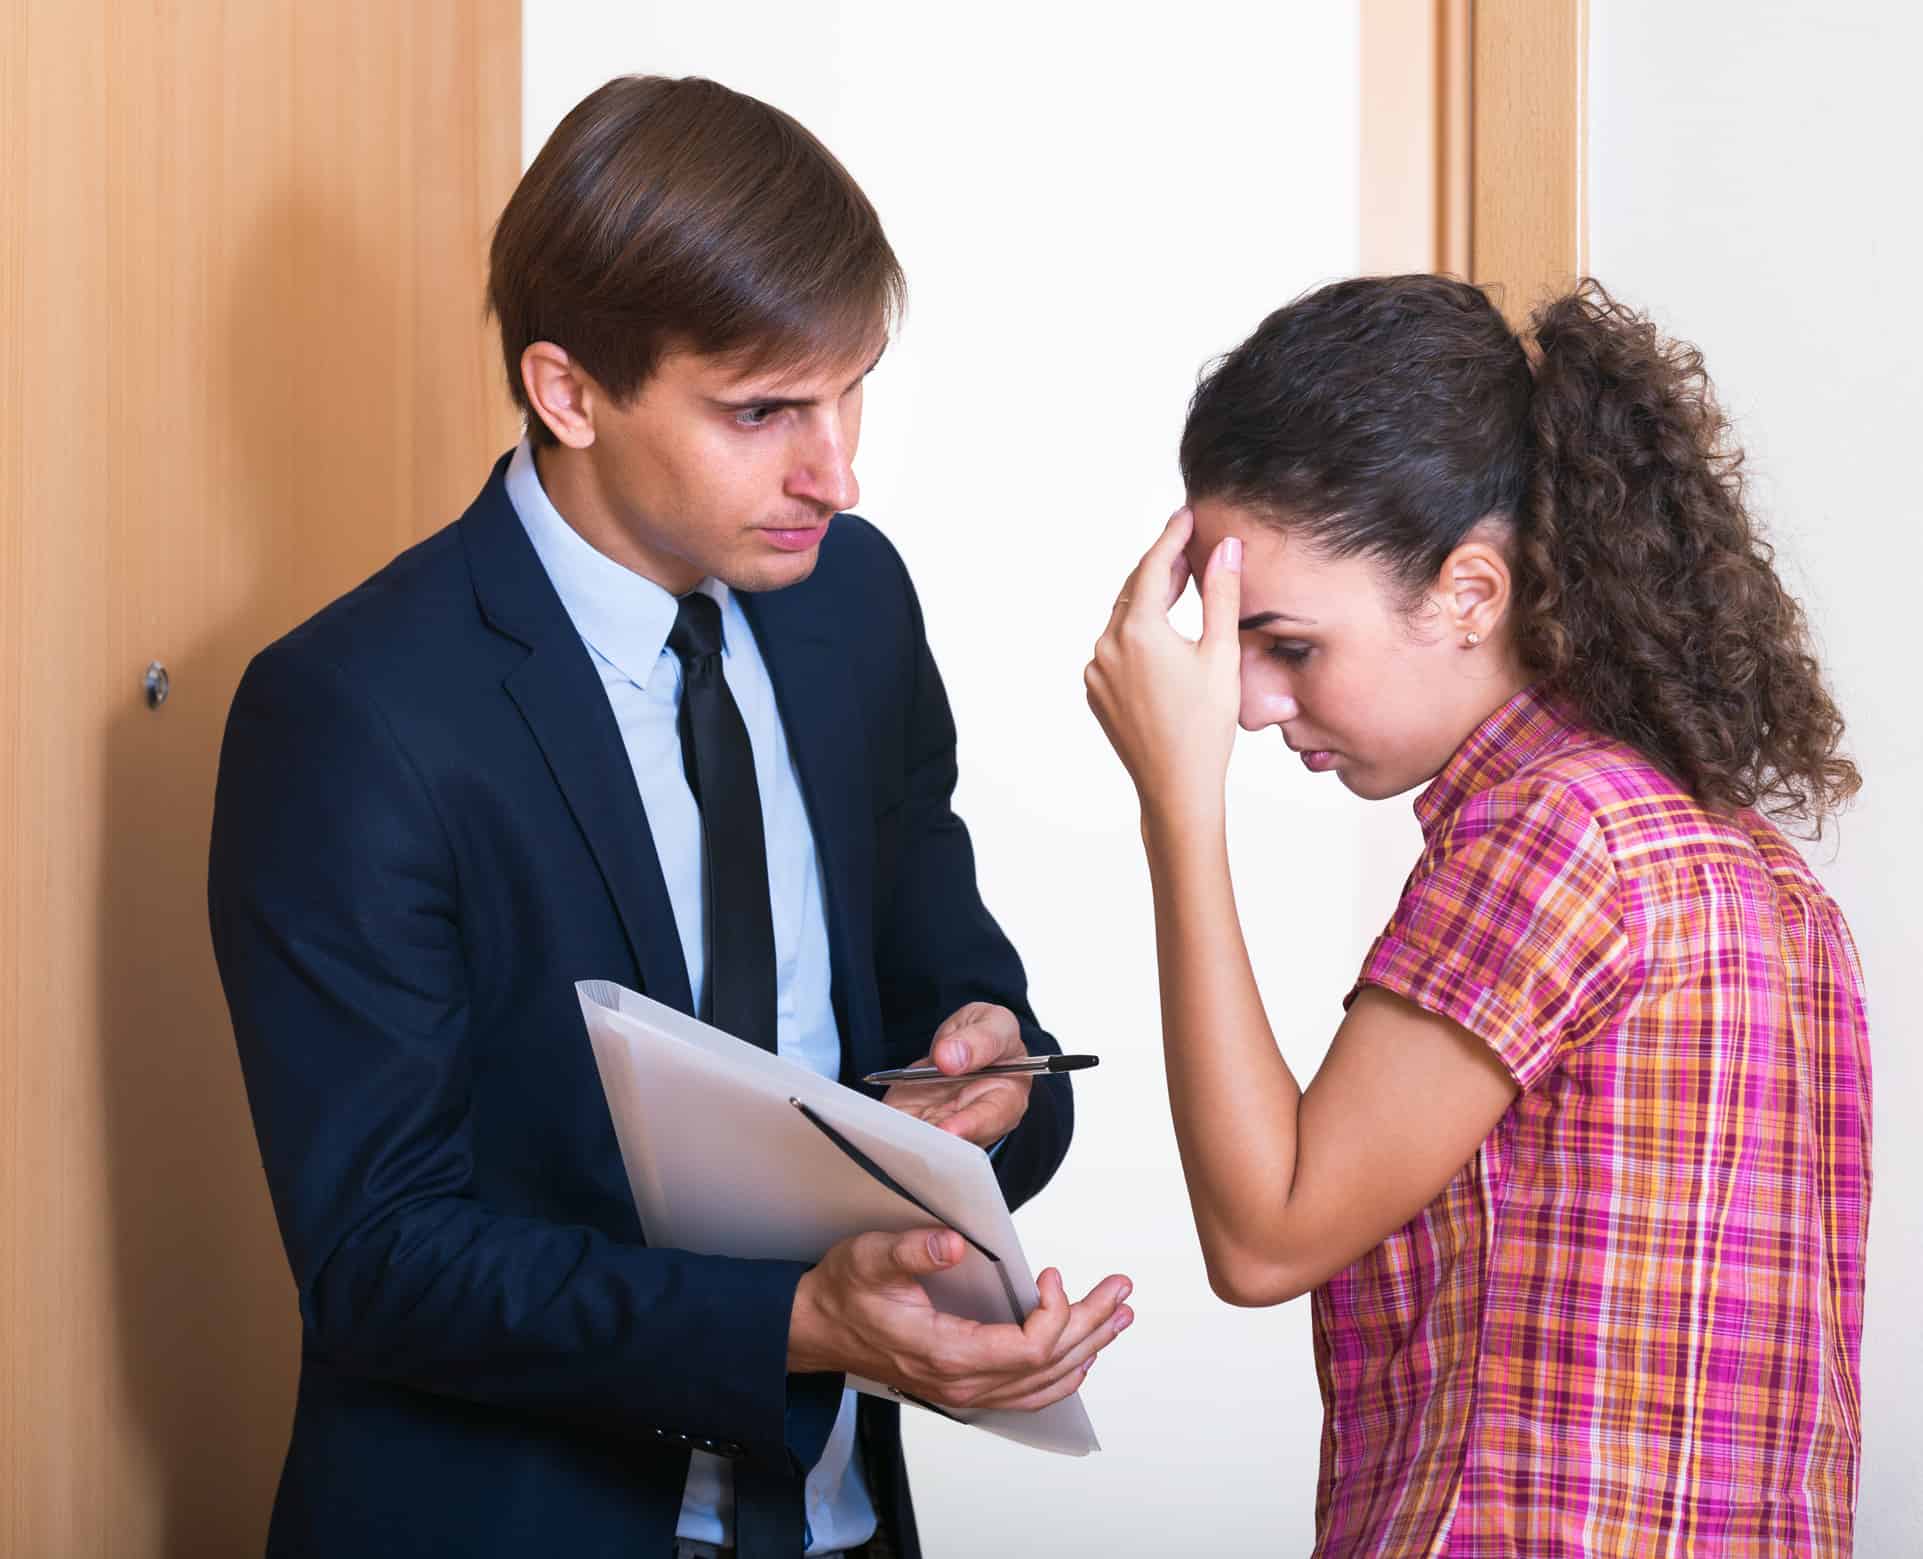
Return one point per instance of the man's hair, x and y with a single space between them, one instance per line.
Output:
676 215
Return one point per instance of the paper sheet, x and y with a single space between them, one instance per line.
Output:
722 1161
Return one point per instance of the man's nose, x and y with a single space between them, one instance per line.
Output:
824 469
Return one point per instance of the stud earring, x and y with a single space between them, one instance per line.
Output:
1471 639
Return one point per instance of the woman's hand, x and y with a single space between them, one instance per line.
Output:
1169 705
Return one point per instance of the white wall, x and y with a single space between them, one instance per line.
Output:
1754 173
1087 208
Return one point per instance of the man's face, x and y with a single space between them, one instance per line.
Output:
711 470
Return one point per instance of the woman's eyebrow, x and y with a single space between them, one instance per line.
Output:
1263 619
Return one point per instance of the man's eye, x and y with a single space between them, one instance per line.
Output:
755 416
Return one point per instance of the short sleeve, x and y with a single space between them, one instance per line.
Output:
1511 926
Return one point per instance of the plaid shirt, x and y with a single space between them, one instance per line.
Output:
1631 1324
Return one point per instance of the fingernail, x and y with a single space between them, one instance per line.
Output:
1232 554
1127 1289
935 1248
1122 1319
951 1053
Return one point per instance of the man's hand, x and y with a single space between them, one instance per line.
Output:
981 1109
863 1312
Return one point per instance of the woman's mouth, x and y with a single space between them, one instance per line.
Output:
1317 761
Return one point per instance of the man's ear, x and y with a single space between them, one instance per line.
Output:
560 393
1474 588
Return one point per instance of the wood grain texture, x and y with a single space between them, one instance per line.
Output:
1401 124
1527 229
243 361
1455 136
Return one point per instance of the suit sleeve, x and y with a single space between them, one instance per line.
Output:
938 946
334 905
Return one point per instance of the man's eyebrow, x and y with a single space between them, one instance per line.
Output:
778 402
1263 619
769 402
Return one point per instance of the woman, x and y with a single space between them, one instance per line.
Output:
1581 1188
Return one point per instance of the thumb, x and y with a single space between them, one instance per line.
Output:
1222 593
920 1252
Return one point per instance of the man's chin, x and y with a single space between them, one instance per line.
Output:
756 576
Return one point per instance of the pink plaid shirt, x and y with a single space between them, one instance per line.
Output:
1632 1323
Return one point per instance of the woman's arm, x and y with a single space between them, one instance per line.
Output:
1288 1188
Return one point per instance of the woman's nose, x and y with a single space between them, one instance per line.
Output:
1262 707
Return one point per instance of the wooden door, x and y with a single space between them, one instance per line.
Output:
1474 124
243 361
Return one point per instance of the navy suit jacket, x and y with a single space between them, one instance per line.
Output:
426 830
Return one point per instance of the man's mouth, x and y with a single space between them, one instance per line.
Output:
796 538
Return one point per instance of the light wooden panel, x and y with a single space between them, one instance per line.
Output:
1455 135
242 361
1527 227
1415 136
1401 118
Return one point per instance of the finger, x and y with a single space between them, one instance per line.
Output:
920 1252
1003 1357
990 1117
1147 582
974 1038
1002 1362
1063 1385
1049 1319
1068 1326
1178 580
1222 594
1090 1316
1059 1379
1000 1356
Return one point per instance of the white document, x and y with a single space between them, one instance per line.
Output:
732 1151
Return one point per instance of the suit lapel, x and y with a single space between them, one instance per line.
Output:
566 709
809 667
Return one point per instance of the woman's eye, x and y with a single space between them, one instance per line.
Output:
1287 650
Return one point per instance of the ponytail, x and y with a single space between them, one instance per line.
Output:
1387 416
1645 594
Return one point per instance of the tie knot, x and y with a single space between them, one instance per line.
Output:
697 628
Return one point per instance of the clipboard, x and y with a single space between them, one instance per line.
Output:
732 1151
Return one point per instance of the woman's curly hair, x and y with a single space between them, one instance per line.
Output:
1387 416
1645 589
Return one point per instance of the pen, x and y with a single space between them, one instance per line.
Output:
1028 1066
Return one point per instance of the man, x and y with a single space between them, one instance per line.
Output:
654 709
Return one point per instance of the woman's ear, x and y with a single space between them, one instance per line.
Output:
560 393
1474 587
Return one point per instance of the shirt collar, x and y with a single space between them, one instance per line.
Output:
1529 725
622 616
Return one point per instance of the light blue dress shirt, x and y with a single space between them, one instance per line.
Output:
624 620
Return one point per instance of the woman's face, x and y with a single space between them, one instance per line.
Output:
1359 685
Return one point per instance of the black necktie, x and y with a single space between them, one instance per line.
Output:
739 998
740 993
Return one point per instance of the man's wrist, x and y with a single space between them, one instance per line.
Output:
807 1329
